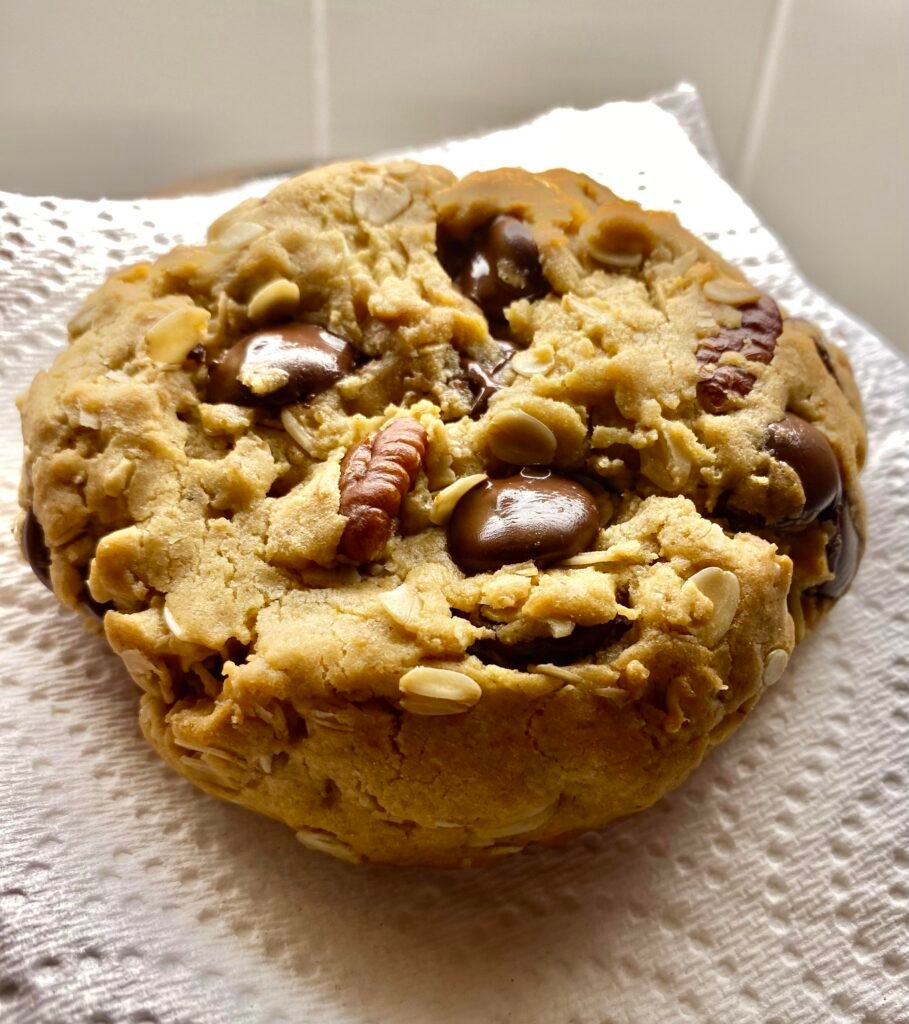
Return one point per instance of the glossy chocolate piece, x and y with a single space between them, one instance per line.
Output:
311 358
550 650
34 548
484 383
534 515
804 448
844 552
502 265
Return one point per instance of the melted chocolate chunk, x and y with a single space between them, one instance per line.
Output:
718 389
484 383
803 447
279 366
34 548
498 265
844 552
534 515
550 650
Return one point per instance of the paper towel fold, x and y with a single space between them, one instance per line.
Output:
772 887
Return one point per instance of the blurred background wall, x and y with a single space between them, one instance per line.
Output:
808 99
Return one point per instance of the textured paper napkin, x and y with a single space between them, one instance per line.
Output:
773 887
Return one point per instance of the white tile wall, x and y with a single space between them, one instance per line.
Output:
809 99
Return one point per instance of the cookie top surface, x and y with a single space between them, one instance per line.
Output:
390 435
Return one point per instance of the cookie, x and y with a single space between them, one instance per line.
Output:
440 517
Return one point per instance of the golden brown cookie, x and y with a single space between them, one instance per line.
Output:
437 517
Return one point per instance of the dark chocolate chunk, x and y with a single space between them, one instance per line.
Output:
279 366
550 650
803 447
34 548
501 263
533 515
484 383
844 552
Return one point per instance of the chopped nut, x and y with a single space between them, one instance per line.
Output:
723 590
375 477
444 502
619 260
300 436
733 293
557 672
534 360
403 605
775 666
588 558
517 437
529 822
438 691
329 720
277 298
175 335
380 200
238 235
325 842
615 694
172 624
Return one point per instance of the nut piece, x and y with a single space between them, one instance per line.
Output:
444 502
517 437
375 477
722 589
619 260
734 293
238 235
380 200
531 361
324 842
438 691
175 335
775 666
277 298
528 822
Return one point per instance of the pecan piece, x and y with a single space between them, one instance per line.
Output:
376 475
718 389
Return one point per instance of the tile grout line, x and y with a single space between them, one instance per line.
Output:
760 107
321 81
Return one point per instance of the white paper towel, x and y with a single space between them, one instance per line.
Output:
773 887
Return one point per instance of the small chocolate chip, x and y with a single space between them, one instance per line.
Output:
279 366
34 548
484 383
502 264
533 515
719 389
550 650
825 359
844 552
803 447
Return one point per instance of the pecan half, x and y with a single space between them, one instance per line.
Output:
376 475
719 389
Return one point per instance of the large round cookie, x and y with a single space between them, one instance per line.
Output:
437 517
